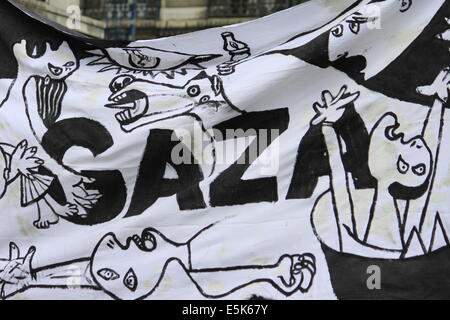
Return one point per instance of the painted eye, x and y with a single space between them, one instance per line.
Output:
108 274
193 91
120 82
130 280
406 4
205 99
69 64
402 165
419 169
338 31
354 27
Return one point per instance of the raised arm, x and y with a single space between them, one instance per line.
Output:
434 125
432 129
327 113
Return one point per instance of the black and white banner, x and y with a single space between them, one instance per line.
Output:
303 155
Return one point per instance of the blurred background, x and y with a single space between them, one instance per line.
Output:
148 19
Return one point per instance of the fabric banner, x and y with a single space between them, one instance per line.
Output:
303 155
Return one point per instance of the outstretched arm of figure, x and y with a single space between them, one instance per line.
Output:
289 274
434 124
328 112
432 129
17 274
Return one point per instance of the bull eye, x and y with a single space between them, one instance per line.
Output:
120 82
402 165
193 91
205 99
69 64
130 280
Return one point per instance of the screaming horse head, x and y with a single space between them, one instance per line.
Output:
143 102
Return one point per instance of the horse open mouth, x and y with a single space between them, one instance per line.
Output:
134 104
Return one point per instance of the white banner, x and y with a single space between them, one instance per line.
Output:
303 155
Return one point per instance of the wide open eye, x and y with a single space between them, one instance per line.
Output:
205 99
402 165
338 31
69 64
419 169
130 280
193 91
108 274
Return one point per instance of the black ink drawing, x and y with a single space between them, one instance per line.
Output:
345 47
329 50
237 50
149 87
127 271
145 102
21 163
406 174
148 61
202 98
69 193
398 168
43 95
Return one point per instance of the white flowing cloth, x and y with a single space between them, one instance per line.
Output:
290 157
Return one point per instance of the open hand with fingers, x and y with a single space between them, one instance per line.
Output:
439 87
17 274
332 107
24 161
83 196
79 193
